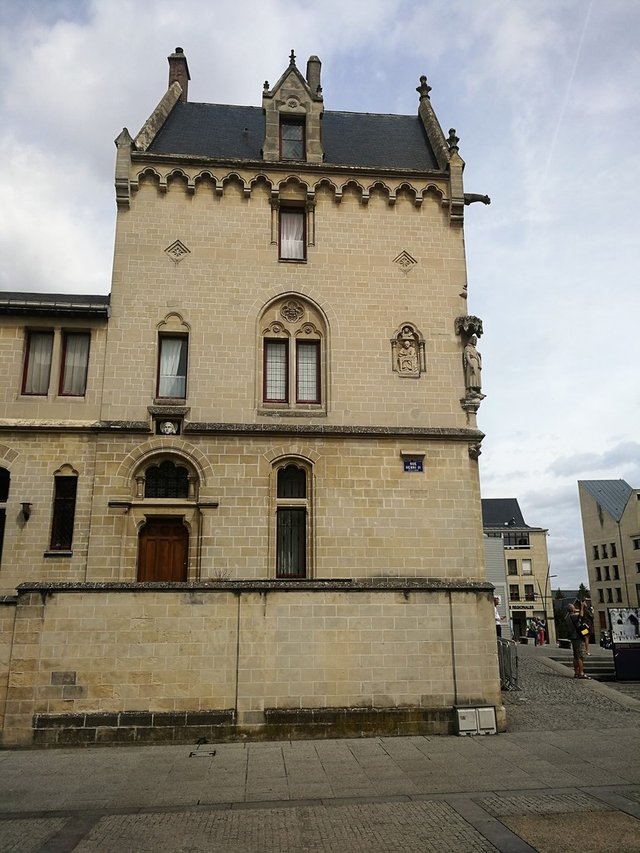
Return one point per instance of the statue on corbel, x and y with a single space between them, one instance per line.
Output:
470 329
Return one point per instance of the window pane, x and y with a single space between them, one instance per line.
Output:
291 543
38 366
166 481
292 482
308 372
172 379
76 362
5 479
64 508
292 234
292 140
275 371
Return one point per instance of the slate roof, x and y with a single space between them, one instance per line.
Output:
67 304
350 139
612 495
499 512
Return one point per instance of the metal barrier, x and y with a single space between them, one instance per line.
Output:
508 661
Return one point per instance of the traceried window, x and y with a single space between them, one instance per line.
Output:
166 480
75 363
172 366
37 364
64 509
292 234
293 365
292 511
292 132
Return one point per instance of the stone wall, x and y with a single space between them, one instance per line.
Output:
130 663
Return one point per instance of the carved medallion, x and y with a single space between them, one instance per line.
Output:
292 311
177 251
405 261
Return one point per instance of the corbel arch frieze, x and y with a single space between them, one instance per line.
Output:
290 188
205 178
179 176
235 178
153 176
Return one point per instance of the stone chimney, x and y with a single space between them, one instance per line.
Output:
179 71
313 76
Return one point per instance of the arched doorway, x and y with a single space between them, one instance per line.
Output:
163 550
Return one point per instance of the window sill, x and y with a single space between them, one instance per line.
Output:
292 260
284 412
169 401
60 553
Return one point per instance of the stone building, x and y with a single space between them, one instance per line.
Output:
610 512
527 564
241 493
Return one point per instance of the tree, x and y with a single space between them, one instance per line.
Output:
583 592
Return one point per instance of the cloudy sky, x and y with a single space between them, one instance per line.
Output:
544 95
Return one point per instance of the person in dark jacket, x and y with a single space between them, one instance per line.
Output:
572 621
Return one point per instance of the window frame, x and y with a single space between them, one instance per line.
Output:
60 506
66 334
291 121
512 568
5 487
266 344
184 340
49 333
287 507
313 344
300 212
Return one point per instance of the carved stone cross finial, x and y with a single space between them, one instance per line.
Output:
453 140
424 88
292 58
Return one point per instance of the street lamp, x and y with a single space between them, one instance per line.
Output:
543 596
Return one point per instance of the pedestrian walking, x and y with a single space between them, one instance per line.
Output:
574 623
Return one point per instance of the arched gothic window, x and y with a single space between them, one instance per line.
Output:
293 362
292 522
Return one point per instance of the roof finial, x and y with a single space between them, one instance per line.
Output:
424 88
453 140
292 58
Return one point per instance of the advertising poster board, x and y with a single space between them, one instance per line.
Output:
624 624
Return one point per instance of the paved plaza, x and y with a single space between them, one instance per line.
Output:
565 778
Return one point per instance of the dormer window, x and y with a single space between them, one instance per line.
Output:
292 145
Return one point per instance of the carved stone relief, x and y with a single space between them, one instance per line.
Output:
407 352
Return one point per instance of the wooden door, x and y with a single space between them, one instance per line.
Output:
163 549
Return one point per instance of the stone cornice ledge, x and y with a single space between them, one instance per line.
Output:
443 433
395 584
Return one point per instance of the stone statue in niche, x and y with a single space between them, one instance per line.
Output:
407 348
472 361
407 358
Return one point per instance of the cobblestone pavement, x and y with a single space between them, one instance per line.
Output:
564 779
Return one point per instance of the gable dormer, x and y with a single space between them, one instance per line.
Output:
293 115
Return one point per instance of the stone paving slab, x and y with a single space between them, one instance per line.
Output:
571 756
